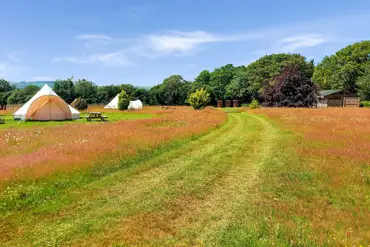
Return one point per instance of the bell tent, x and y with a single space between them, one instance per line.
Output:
46 105
135 105
113 104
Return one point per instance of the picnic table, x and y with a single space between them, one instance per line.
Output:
95 115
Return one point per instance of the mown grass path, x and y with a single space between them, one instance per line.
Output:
192 195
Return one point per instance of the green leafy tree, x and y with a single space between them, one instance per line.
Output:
344 68
5 86
21 96
201 81
107 93
86 90
260 72
123 100
5 91
239 88
16 97
174 90
65 89
141 94
220 79
363 84
4 98
199 99
128 88
155 95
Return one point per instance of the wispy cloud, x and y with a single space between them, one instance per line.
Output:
14 58
285 43
92 40
181 42
291 44
116 58
92 37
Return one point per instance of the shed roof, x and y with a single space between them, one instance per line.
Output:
324 93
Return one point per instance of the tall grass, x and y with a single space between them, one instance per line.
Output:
37 152
322 192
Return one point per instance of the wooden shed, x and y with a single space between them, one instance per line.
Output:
337 98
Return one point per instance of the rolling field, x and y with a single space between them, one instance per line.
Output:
283 177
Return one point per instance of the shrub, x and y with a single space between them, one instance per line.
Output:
123 100
79 104
199 99
254 104
365 104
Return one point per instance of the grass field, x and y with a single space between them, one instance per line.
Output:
113 116
282 177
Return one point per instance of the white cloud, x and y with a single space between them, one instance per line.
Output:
179 41
291 44
94 40
182 42
109 59
93 37
285 43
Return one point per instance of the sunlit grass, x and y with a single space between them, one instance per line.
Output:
266 177
38 151
113 116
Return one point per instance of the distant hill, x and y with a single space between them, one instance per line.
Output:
24 84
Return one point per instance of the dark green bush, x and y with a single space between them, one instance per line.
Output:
79 104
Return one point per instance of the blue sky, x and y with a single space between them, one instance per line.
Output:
142 42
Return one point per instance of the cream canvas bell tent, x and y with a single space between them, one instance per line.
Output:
46 105
113 104
135 105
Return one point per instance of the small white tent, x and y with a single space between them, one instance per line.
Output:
113 104
135 105
46 105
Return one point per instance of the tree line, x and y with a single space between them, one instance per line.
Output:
275 80
69 90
